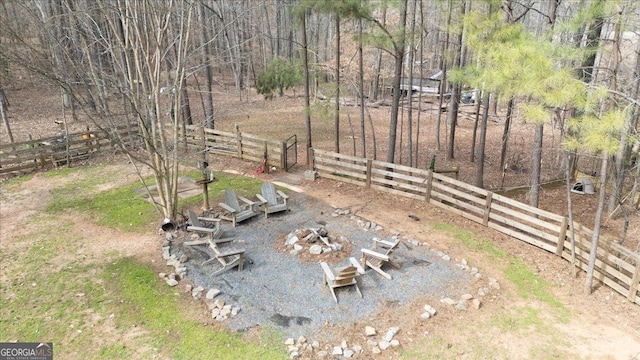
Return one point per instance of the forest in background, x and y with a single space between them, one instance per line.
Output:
568 65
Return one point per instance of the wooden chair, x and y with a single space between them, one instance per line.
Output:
199 226
228 259
376 259
233 211
344 276
270 199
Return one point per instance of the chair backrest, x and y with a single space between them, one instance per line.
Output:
269 193
388 246
346 275
193 218
231 199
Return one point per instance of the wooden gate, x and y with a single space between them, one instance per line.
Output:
291 152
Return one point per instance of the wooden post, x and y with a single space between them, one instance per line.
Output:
487 209
633 287
205 196
265 158
283 156
311 158
562 236
427 195
368 173
204 140
238 141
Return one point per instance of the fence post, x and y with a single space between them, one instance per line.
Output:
368 173
561 237
487 209
203 133
633 287
311 159
283 156
427 195
238 141
266 158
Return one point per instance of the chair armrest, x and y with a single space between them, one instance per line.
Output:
261 198
231 253
245 200
283 195
357 265
327 271
375 254
385 243
208 219
201 229
227 207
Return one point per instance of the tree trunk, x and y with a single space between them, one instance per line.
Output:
410 89
3 114
483 137
452 116
472 156
307 107
615 198
534 193
363 141
336 128
505 134
376 78
206 61
397 73
596 227
570 219
445 68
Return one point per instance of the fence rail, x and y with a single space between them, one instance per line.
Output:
237 144
26 156
616 266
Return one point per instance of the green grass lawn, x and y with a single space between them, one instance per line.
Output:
113 307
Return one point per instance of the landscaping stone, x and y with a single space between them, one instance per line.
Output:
476 303
448 301
172 282
337 350
391 333
315 249
348 353
212 293
197 292
369 331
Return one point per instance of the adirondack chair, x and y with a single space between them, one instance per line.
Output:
344 276
270 199
228 259
233 211
376 259
199 226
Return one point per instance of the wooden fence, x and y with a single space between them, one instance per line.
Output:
616 266
237 144
35 154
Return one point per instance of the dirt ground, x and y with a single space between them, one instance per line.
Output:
605 324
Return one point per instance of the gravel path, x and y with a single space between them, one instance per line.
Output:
278 290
